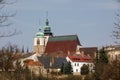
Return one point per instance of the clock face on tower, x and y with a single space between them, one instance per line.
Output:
38 42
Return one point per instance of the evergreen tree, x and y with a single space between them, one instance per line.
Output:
68 68
103 56
84 69
100 62
62 70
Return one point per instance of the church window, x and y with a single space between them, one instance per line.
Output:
38 42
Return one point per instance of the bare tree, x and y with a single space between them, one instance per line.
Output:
116 31
4 18
7 56
113 74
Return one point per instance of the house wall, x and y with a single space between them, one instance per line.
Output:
77 66
113 52
39 49
113 55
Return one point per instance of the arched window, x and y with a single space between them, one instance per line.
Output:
38 41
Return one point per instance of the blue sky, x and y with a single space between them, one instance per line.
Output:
91 20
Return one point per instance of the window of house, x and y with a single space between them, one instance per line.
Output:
78 64
76 70
75 64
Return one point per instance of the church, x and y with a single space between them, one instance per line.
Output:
45 43
50 52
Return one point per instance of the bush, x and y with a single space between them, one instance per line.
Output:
84 69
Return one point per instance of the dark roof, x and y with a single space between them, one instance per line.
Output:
63 38
62 44
56 62
89 51
45 61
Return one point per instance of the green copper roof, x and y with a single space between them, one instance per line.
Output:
39 34
47 28
63 38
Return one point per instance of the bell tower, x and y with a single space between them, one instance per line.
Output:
47 29
39 42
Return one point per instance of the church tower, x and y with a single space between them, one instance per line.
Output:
41 38
47 29
39 42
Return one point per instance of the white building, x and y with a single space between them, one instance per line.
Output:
77 62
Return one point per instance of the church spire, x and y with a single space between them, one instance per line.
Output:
47 28
47 22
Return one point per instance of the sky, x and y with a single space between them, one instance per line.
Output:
92 20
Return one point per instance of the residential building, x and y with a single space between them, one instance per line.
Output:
113 52
78 61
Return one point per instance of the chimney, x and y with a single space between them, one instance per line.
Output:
82 53
68 52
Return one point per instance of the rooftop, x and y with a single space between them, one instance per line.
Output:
80 58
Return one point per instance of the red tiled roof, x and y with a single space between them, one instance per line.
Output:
32 62
89 51
16 56
80 58
37 63
28 60
61 46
